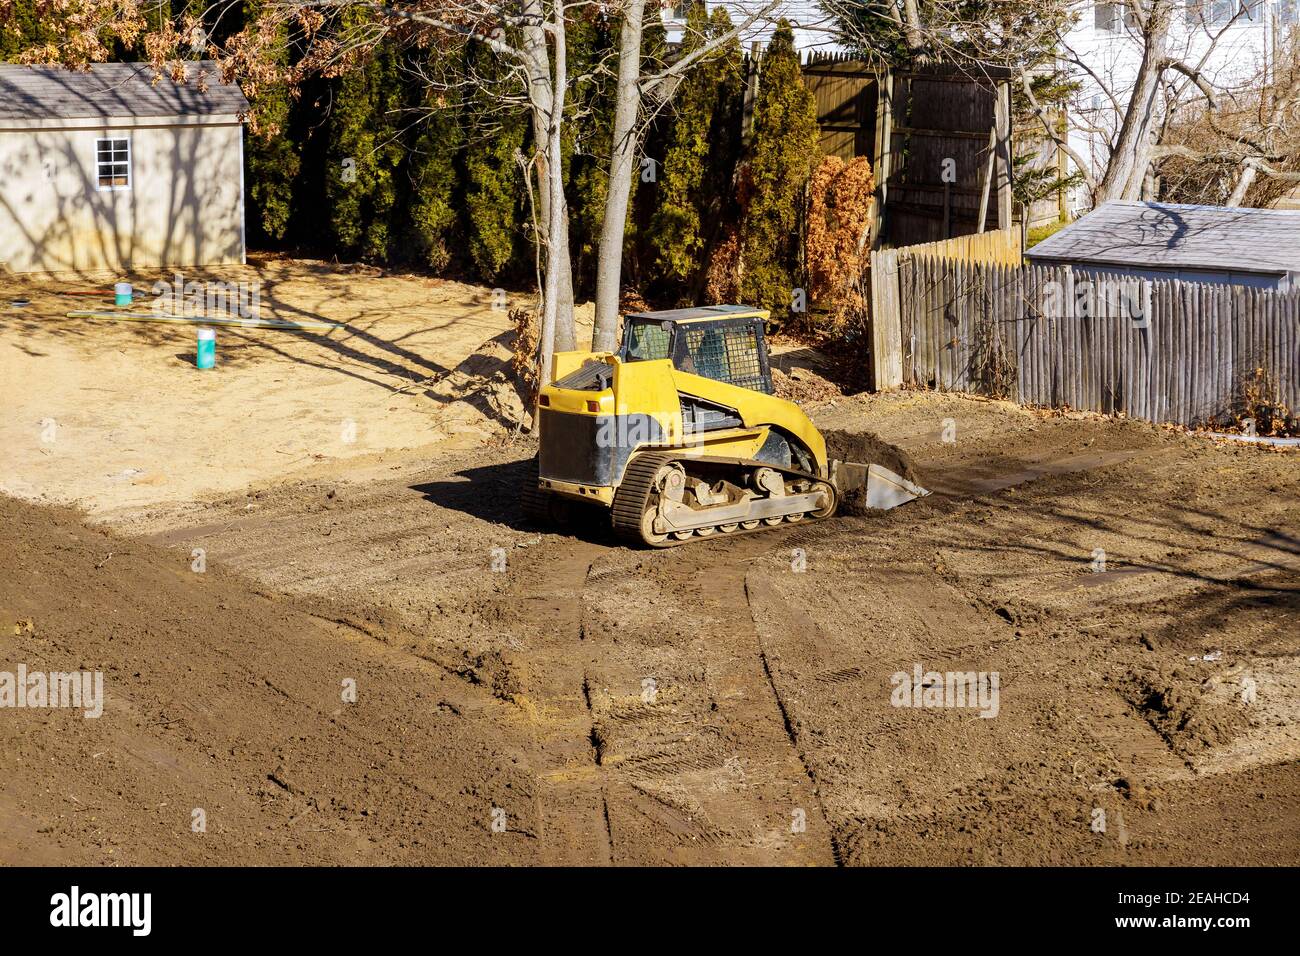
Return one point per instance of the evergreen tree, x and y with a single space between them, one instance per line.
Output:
434 182
273 161
21 29
271 154
364 152
697 165
592 39
1034 176
644 197
495 194
782 156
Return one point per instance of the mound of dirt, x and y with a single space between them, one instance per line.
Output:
869 449
804 386
210 687
483 393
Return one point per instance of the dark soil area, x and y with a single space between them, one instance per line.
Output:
545 696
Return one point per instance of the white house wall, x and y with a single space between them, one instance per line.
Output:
814 29
184 206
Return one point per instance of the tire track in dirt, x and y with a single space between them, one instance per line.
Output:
692 740
543 608
687 770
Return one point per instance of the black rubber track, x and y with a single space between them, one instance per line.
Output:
536 502
632 497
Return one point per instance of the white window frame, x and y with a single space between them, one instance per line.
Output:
1216 14
1113 17
112 161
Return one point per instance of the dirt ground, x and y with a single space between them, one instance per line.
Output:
546 696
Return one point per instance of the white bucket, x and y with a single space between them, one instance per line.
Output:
122 293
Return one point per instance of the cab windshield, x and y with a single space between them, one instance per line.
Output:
645 340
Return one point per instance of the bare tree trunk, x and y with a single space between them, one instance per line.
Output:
566 336
1244 182
912 26
547 89
631 87
609 262
1131 156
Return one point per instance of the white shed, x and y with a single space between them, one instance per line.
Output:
1223 245
110 169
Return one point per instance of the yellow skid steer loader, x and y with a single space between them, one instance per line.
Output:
679 435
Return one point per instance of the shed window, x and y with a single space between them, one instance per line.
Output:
113 163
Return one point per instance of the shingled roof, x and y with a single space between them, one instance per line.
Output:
1171 236
114 90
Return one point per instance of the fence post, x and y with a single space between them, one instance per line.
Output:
886 322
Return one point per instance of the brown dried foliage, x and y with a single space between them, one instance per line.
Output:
841 204
523 358
1262 404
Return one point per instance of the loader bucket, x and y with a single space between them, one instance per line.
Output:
884 488
887 490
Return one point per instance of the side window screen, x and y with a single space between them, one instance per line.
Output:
646 341
726 355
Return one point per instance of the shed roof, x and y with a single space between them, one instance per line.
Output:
114 90
1170 236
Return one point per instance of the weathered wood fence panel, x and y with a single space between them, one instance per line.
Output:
889 271
886 345
1159 350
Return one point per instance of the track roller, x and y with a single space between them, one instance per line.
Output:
659 485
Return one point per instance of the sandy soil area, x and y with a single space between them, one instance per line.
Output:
537 695
112 414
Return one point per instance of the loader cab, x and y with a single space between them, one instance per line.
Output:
720 342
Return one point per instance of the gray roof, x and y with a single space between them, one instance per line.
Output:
114 90
1169 236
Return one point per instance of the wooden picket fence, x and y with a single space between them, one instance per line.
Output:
993 246
1155 349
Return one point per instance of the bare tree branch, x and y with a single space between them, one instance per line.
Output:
1054 135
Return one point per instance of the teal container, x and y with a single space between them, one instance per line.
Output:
122 294
206 356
